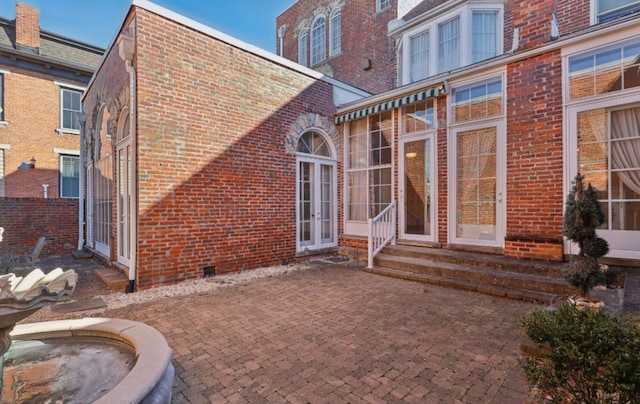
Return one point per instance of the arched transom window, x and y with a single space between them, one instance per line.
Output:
313 143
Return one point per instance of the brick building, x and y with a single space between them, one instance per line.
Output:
193 160
42 77
499 105
219 154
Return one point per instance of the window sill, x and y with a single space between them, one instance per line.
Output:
62 131
4 124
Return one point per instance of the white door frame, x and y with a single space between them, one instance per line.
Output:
317 242
620 237
432 236
498 241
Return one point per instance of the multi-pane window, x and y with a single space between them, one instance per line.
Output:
418 117
484 37
607 10
335 32
467 34
419 56
477 101
449 45
605 70
1 97
70 108
302 48
69 176
369 171
382 4
318 40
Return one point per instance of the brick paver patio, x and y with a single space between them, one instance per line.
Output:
335 334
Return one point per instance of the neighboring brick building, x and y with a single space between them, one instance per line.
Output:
346 40
42 77
220 157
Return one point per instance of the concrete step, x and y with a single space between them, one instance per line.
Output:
478 276
114 279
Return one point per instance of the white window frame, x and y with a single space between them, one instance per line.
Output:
65 154
303 48
382 5
595 13
428 57
3 147
465 13
335 32
318 42
73 88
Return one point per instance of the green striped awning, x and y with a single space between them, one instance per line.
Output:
391 104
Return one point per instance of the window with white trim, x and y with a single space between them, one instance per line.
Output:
70 108
303 39
477 101
69 176
606 10
318 40
369 168
2 192
468 34
382 5
335 32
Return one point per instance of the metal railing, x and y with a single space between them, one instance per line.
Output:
382 230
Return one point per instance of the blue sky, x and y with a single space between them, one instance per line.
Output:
96 21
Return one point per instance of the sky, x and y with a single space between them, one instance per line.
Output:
96 21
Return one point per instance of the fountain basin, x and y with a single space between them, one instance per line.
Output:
149 380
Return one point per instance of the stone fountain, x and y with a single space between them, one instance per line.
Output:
88 360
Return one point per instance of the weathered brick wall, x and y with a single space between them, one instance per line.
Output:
364 37
32 110
25 220
534 158
216 184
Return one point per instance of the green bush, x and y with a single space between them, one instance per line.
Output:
588 356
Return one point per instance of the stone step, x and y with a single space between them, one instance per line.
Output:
114 279
477 275
477 260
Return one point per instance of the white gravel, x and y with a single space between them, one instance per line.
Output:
195 286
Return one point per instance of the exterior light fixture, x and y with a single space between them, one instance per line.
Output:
410 154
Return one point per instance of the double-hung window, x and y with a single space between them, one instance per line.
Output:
69 176
318 40
303 39
467 34
70 108
382 5
335 32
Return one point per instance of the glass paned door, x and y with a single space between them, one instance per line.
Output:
417 189
316 204
478 195
124 202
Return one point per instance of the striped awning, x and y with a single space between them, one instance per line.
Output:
391 104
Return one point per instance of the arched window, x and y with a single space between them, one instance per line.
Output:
302 48
318 40
335 32
313 143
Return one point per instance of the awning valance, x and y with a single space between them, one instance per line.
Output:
391 104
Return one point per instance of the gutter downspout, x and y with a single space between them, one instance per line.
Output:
126 44
83 197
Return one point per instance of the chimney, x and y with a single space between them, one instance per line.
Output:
27 27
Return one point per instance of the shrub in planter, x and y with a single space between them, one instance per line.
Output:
582 216
586 356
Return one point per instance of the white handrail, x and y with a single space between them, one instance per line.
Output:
382 230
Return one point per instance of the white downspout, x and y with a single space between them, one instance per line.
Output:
126 44
83 196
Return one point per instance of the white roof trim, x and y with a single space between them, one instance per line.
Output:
171 15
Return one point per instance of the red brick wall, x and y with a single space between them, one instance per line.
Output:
534 158
25 220
32 110
216 185
364 36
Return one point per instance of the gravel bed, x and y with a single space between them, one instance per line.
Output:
189 287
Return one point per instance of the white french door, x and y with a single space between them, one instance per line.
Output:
124 202
316 204
417 188
477 200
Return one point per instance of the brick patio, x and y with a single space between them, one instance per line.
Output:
336 334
